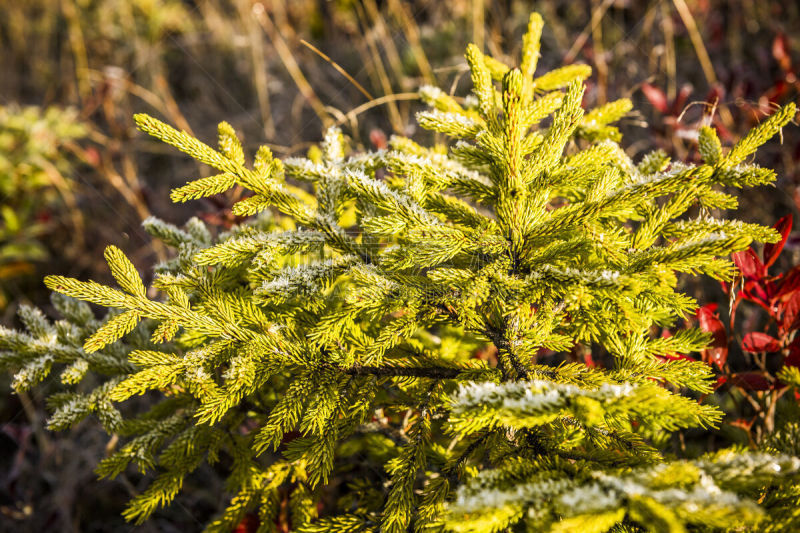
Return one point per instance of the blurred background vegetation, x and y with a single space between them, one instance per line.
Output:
75 176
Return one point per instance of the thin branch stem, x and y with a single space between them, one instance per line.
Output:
398 371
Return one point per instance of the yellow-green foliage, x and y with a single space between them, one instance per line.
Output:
34 183
326 347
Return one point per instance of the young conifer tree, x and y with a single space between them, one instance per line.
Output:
324 351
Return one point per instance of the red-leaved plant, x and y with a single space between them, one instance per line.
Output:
764 353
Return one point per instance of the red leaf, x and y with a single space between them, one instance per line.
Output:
717 352
790 283
749 264
742 423
775 94
751 381
780 51
793 359
249 524
378 139
716 94
756 342
757 290
773 250
656 97
680 100
92 156
790 313
722 130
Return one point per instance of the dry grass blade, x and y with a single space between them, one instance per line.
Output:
259 61
260 12
78 45
599 57
389 98
697 40
375 59
338 68
379 27
401 13
702 53
670 63
597 16
478 24
156 101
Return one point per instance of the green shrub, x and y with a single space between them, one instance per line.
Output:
35 188
364 354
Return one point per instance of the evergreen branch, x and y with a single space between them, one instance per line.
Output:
760 134
337 323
